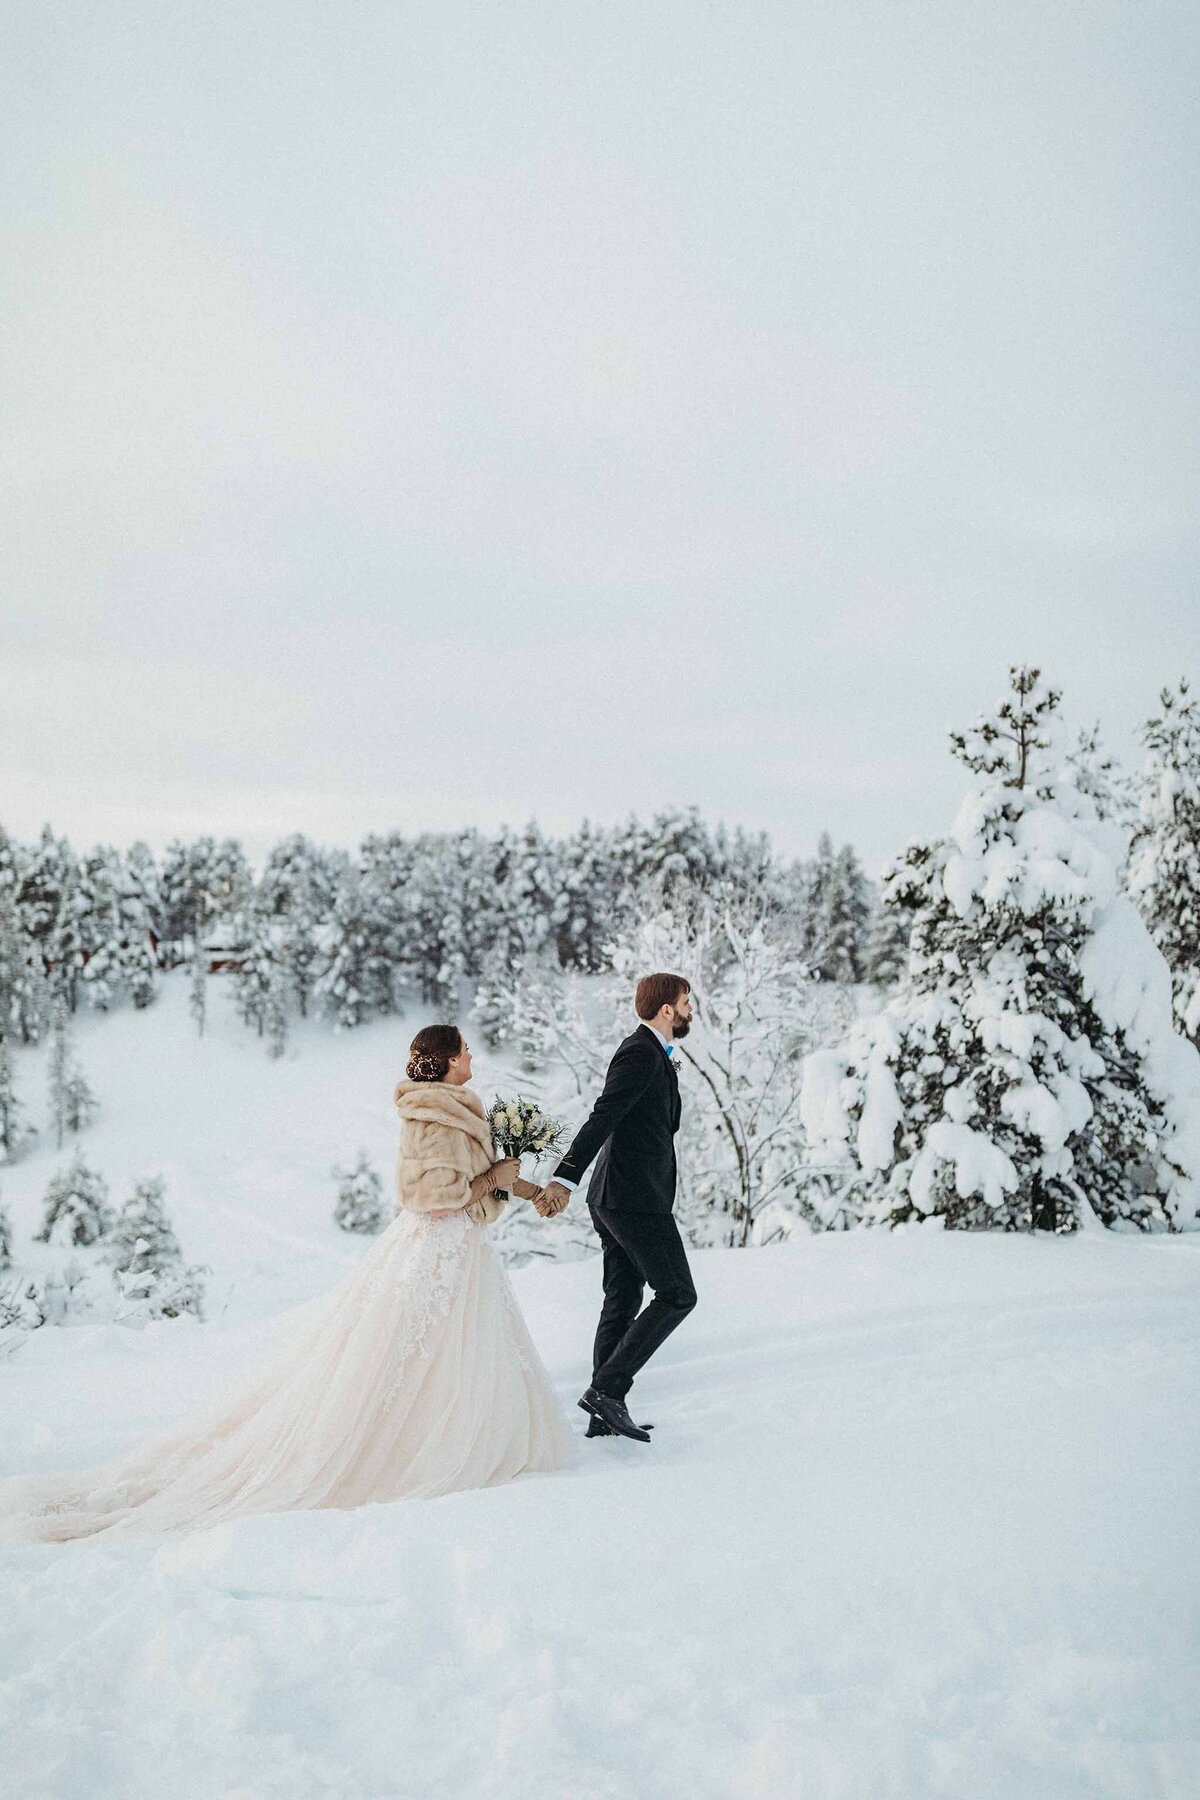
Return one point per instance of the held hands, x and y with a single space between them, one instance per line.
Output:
552 1199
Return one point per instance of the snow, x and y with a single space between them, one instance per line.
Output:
1126 978
1050 1117
1046 857
980 1167
1013 851
881 1114
917 1519
1127 981
822 1107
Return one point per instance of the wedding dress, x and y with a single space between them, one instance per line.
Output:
415 1376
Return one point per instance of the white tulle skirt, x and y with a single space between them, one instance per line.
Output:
416 1377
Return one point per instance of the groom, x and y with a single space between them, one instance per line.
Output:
630 1197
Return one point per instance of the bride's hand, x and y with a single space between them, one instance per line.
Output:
506 1172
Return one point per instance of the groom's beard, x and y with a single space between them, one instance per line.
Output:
681 1027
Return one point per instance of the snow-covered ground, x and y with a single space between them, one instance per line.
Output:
918 1519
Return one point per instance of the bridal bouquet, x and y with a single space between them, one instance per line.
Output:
519 1128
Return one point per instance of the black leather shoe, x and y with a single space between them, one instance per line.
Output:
596 1428
612 1412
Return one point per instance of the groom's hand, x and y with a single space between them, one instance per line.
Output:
554 1198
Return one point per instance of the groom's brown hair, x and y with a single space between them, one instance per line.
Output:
656 991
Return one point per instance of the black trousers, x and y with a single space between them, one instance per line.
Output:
641 1249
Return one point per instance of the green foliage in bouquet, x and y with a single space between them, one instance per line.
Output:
519 1128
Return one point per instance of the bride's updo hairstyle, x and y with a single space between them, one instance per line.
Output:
432 1051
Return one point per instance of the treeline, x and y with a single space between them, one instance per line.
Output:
429 917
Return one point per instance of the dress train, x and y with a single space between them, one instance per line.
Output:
417 1377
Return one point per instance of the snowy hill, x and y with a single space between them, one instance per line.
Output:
917 1520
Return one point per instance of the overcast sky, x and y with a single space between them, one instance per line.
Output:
415 416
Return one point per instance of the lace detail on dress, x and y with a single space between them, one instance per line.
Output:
432 1276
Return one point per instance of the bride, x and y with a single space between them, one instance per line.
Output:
415 1377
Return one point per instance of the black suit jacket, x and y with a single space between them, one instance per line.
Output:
632 1126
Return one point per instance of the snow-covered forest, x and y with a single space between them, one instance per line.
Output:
1001 1033
433 918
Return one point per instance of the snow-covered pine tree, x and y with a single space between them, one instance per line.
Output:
496 1008
66 944
788 893
678 854
59 1071
11 863
143 1236
535 898
360 1204
297 894
358 980
200 885
136 961
185 908
80 1105
816 884
198 987
745 871
586 910
261 992
12 946
1027 1074
76 1206
300 948
467 878
44 878
504 946
11 1110
386 864
345 981
885 954
425 940
24 995
178 903
141 873
145 1258
99 926
1164 858
1093 772
229 881
453 930
440 933
72 1104
629 853
842 920
31 999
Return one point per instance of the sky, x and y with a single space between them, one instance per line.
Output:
416 416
